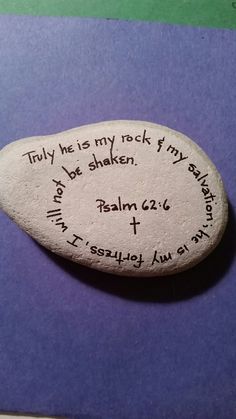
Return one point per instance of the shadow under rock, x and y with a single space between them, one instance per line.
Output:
184 285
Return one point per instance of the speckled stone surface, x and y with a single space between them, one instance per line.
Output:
126 197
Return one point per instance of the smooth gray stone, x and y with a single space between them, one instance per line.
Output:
126 197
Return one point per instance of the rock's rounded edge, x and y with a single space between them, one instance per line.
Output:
183 137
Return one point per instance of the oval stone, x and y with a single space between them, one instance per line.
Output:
125 197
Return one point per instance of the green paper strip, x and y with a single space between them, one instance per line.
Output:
211 13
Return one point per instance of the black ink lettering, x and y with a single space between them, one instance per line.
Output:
153 204
134 224
113 160
106 162
51 155
114 207
29 155
165 258
38 157
129 160
181 250
144 206
73 243
63 226
202 177
155 260
166 207
91 166
54 213
109 254
129 206
160 144
93 250
57 199
54 210
139 262
101 141
66 149
209 216
146 139
57 213
209 208
85 145
97 162
104 141
210 198
181 158
59 186
200 234
58 183
138 138
176 153
119 259
191 167
127 138
34 158
205 191
123 160
101 204
119 206
119 203
100 252
173 150
74 173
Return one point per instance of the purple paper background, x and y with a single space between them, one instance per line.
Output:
80 343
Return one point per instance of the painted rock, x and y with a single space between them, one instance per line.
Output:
125 197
